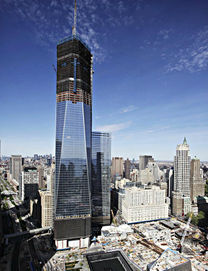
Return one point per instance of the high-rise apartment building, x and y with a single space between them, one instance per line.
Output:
182 169
16 167
72 197
100 186
144 160
127 168
117 167
196 181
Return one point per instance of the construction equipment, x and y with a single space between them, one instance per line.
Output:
114 220
180 247
54 68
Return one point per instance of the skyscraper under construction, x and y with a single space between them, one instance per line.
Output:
72 202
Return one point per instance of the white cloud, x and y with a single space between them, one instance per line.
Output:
165 33
114 127
53 19
194 57
129 108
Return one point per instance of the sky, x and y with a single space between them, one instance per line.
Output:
150 83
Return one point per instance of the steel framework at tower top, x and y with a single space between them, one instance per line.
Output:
75 19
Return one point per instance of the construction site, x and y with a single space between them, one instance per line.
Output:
155 246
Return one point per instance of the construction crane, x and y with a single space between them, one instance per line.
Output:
54 68
114 220
184 233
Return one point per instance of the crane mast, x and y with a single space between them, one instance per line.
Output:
185 232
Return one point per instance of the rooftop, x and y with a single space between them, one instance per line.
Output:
74 37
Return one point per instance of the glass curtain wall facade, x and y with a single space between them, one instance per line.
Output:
101 175
72 197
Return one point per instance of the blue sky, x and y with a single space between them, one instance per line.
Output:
150 85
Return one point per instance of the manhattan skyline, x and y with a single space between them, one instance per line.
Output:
150 83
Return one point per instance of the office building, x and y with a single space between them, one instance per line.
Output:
144 160
120 184
42 183
49 162
196 181
186 205
46 208
100 186
181 205
72 197
169 176
134 175
144 204
146 176
182 169
127 168
150 174
46 198
16 167
28 188
163 186
117 167
36 157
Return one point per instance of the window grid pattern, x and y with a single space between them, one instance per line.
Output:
73 141
182 162
101 162
72 198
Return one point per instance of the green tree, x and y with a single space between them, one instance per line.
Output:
199 219
201 215
194 220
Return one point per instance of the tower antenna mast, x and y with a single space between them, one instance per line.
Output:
75 19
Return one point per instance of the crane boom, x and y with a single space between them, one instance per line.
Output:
114 220
185 231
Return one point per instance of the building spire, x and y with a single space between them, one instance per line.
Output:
75 19
184 141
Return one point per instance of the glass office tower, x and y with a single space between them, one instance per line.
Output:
101 162
72 197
